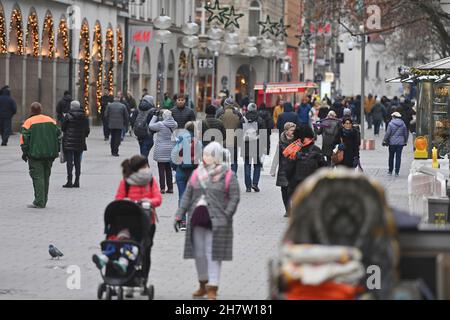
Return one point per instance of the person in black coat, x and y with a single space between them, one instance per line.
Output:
268 122
104 100
8 109
305 161
181 113
287 116
63 106
350 139
212 123
75 128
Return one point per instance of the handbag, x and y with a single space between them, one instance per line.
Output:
62 156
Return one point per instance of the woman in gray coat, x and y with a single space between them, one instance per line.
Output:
163 148
210 201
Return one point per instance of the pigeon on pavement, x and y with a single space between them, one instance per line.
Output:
54 252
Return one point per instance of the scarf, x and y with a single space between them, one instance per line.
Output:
291 150
212 173
139 178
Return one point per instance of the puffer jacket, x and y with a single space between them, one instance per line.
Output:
63 107
76 129
287 116
212 123
378 112
163 138
145 106
396 133
183 116
330 131
309 160
8 106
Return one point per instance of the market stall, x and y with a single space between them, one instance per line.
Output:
271 90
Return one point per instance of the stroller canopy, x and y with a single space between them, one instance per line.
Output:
124 214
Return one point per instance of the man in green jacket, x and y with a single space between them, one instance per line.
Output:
40 146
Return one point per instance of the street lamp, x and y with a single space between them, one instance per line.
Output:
162 36
190 40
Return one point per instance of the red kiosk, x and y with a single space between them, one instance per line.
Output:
282 88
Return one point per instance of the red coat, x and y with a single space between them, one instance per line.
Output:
137 193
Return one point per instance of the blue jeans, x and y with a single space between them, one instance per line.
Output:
234 168
396 151
182 178
145 146
256 174
5 129
377 125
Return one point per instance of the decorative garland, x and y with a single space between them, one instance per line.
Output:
16 24
32 34
48 28
98 84
84 35
3 48
119 47
429 72
110 71
63 34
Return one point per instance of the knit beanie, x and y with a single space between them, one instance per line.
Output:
75 105
251 107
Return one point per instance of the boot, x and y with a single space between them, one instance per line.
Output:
201 291
76 184
211 291
69 182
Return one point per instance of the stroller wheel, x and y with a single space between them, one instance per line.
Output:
120 293
108 293
151 292
100 290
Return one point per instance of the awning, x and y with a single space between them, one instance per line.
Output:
285 87
436 71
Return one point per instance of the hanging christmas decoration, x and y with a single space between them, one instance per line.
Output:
3 48
110 68
48 30
84 66
119 47
281 28
63 35
429 72
217 13
32 35
268 26
16 24
99 59
232 18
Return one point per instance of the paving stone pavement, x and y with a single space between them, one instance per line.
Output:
73 222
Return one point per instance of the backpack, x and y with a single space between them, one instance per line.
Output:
227 181
250 130
229 119
192 165
140 127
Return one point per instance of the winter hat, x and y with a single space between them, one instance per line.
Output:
289 125
166 114
347 112
229 102
251 107
396 115
332 114
149 99
75 105
211 110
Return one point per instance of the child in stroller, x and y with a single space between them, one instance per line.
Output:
127 252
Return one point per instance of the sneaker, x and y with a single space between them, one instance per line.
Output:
162 191
99 261
286 215
4 143
119 267
169 191
105 139
183 226
33 206
249 190
390 173
397 174
255 188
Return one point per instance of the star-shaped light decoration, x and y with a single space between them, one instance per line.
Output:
217 13
304 37
281 28
232 18
268 26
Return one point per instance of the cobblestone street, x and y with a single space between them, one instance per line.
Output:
73 222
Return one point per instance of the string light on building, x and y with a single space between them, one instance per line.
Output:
16 24
63 34
99 59
48 29
119 46
3 48
84 39
33 34
110 70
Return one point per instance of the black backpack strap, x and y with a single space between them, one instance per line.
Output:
127 188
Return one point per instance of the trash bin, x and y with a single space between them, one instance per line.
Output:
438 210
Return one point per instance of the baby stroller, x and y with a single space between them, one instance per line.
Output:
119 215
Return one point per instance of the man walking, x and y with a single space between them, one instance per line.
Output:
63 106
117 117
104 100
8 109
396 138
40 145
182 114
